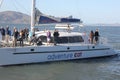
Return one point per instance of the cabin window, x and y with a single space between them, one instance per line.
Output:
43 38
71 39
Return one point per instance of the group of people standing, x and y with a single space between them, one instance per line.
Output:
14 36
5 33
20 36
94 36
56 36
23 34
37 41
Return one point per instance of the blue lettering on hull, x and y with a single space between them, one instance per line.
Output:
60 56
64 56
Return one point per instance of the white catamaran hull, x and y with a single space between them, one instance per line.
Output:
36 54
68 51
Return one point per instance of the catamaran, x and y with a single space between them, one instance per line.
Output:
71 45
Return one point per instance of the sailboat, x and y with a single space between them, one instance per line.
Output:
71 45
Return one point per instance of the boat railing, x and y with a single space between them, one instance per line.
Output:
103 40
118 51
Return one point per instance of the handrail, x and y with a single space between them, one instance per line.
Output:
103 40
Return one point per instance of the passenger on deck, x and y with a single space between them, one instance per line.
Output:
21 38
39 41
97 36
26 33
56 36
33 40
68 29
15 37
48 37
91 37
7 37
3 33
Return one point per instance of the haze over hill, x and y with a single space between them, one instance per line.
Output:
14 17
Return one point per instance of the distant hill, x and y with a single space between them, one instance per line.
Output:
14 17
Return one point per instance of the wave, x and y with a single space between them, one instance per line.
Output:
112 68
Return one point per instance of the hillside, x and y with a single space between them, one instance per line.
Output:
14 17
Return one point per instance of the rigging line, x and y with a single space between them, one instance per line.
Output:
26 10
1 1
77 2
15 6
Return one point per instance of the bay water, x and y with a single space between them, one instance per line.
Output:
107 68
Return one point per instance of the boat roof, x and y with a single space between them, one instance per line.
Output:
64 26
61 34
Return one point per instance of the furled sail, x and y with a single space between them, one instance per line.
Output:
41 18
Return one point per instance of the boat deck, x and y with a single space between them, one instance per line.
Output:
3 44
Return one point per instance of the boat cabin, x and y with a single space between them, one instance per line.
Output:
63 38
65 35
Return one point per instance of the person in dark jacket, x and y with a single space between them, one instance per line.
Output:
21 37
3 33
97 36
15 37
56 35
7 34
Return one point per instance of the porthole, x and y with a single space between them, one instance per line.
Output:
32 49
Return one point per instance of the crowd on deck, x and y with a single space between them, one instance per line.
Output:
23 35
55 35
94 37
14 36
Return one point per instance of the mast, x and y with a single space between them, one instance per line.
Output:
33 16
1 1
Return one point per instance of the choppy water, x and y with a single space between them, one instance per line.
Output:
89 69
